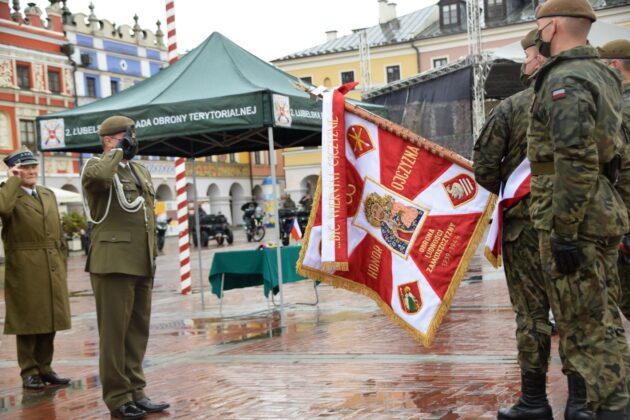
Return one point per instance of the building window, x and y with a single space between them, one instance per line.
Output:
450 15
307 79
439 62
24 76
495 9
257 158
347 77
232 158
27 134
54 81
90 86
393 73
114 86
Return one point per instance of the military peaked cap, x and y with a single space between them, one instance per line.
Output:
529 40
115 124
619 48
568 8
22 156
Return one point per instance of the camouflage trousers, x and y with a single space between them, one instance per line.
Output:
584 305
526 285
624 280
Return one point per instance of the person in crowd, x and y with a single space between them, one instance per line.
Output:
121 263
36 288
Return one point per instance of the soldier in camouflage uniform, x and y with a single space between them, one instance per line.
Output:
617 55
573 141
499 150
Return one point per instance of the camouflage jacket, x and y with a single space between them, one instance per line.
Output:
623 186
575 123
500 148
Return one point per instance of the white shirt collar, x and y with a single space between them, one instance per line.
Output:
27 190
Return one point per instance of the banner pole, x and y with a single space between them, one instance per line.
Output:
272 163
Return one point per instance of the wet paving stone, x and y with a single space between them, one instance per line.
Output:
341 359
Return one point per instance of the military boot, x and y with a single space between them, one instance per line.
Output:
533 403
577 405
611 415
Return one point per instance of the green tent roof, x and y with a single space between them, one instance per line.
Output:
216 99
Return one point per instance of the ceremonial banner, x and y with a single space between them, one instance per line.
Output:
415 216
515 189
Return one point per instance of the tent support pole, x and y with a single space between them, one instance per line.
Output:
272 161
44 169
198 232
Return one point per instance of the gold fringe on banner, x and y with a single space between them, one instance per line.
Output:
337 281
494 261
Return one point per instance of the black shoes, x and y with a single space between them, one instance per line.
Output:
151 407
53 379
533 403
577 407
33 382
128 411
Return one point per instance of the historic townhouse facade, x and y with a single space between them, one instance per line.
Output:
405 46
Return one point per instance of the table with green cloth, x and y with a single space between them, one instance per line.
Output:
247 268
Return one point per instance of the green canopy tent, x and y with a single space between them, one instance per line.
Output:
216 99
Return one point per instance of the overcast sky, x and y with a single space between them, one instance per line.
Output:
267 28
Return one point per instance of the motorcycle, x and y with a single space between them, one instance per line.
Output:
161 225
254 227
211 226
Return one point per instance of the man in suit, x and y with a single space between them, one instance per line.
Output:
121 263
36 289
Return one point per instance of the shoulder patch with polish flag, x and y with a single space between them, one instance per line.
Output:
558 94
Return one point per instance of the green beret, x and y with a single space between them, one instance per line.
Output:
529 40
567 8
114 125
619 48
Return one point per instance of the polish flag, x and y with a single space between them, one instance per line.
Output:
515 189
296 232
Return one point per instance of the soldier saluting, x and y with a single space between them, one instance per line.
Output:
574 145
36 289
121 263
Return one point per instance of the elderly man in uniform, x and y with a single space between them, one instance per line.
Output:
121 262
36 289
617 55
574 145
499 150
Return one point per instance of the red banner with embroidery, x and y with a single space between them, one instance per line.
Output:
333 191
415 216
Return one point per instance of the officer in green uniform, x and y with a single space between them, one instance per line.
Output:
617 55
574 145
121 263
36 289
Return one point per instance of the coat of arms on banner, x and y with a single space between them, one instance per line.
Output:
460 189
410 297
52 132
281 111
390 218
360 140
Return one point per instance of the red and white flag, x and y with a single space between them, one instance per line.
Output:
296 232
515 189
414 217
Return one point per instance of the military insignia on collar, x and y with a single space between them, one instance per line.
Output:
558 94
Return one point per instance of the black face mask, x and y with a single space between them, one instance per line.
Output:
544 47
525 78
129 144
